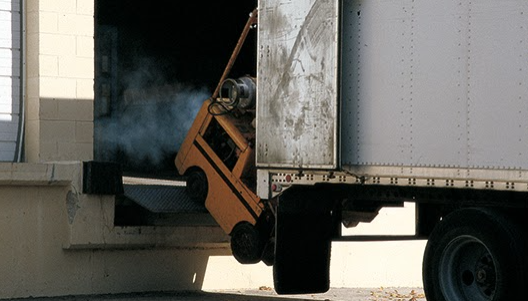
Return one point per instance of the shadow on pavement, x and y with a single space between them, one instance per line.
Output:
174 296
266 294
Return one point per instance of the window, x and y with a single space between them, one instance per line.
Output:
222 144
10 80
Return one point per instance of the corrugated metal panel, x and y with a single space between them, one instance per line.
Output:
161 196
10 51
297 84
163 199
435 84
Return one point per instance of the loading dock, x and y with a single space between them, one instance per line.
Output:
57 240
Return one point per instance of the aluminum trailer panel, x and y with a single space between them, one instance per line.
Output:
420 93
440 85
297 94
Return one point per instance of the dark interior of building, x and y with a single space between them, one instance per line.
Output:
156 62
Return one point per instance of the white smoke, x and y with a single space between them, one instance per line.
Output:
151 121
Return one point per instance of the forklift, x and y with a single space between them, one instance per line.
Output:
217 159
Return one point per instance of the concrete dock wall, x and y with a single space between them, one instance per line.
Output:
55 241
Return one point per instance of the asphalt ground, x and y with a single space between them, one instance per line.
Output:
261 294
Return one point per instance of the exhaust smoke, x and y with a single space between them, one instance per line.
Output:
146 128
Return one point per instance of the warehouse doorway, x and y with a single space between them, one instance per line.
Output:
155 63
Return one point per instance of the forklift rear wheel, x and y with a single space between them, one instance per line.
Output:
197 186
247 244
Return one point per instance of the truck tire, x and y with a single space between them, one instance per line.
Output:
303 232
475 254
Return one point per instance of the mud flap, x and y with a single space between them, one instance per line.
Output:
304 228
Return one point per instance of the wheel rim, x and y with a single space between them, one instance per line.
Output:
467 270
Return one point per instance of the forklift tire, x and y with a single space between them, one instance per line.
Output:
247 244
476 254
302 243
197 186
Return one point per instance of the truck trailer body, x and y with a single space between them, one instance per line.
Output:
424 93
362 105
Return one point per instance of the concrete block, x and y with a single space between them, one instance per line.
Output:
66 151
85 46
75 109
59 6
76 67
47 151
68 109
85 25
67 24
85 7
57 130
71 151
57 44
84 151
84 132
54 87
49 65
85 89
74 24
85 108
48 22
48 109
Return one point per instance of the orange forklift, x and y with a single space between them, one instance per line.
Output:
217 157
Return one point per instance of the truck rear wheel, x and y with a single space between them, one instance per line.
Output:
302 242
475 254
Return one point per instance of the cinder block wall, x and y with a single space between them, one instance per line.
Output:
60 80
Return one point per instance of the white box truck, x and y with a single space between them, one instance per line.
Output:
364 104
